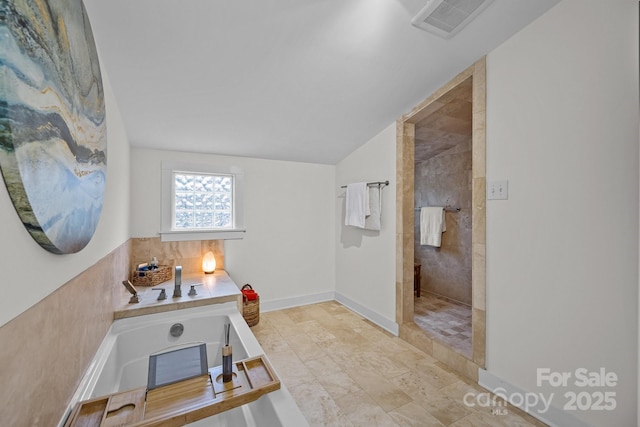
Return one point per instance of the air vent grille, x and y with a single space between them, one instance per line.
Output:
446 18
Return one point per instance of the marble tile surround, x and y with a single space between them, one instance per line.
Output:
186 254
405 136
45 350
442 180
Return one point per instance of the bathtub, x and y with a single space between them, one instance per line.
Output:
122 360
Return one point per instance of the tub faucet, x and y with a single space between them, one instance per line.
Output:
133 291
177 292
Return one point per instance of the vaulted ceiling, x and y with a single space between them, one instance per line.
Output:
300 80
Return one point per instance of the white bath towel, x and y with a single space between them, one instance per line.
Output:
372 221
432 225
356 204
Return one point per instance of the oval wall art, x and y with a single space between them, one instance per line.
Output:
53 138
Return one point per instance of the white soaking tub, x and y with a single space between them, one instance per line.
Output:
122 360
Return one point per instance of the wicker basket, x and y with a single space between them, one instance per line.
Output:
250 309
152 277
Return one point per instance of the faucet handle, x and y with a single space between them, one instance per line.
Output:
192 291
132 290
162 295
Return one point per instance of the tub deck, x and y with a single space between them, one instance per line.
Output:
211 289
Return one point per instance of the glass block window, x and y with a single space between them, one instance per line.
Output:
202 201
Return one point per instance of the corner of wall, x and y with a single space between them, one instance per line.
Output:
365 260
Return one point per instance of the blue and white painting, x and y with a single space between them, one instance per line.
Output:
53 138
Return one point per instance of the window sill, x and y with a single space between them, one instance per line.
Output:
181 236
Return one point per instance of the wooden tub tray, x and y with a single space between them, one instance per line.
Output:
179 403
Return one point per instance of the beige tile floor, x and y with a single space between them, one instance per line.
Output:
448 321
344 371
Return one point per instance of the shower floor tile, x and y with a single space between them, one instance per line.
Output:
445 320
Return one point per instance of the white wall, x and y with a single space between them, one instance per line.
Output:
287 252
562 252
366 260
30 273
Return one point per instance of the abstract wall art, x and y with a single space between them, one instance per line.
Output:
53 138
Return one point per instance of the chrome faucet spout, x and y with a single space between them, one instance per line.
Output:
177 291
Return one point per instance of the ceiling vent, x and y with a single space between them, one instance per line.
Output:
446 18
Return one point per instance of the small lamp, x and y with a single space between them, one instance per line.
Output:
209 263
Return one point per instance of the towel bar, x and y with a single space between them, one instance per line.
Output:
380 183
446 208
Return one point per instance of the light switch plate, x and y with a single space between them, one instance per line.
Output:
498 190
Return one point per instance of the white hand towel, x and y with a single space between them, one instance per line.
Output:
372 221
356 204
432 225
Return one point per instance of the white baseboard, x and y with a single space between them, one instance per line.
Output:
283 303
369 314
554 416
279 304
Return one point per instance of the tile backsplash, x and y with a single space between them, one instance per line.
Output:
186 254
